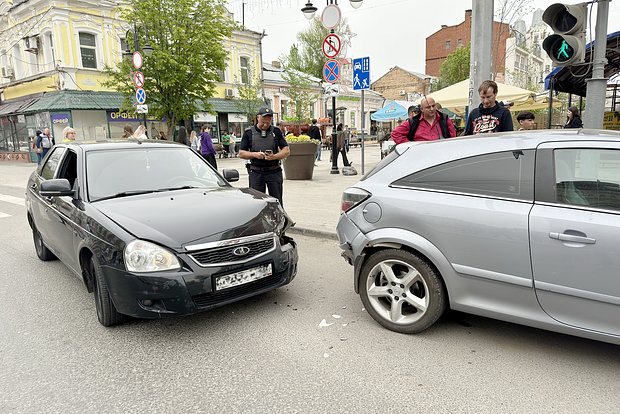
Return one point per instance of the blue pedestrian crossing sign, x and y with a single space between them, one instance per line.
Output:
361 73
140 96
331 71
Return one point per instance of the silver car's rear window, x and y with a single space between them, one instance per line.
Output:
383 163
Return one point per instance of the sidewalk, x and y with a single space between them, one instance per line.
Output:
314 205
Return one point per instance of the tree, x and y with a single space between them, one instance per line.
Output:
249 95
187 37
300 89
454 69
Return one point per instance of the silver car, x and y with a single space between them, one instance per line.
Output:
522 227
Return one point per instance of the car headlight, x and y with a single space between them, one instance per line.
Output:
143 256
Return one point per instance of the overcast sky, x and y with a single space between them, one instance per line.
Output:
390 32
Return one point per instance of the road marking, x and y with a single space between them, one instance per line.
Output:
3 215
13 200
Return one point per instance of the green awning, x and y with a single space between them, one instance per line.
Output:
77 100
16 106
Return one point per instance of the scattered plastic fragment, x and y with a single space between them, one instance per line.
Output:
325 355
344 307
336 316
324 324
343 339
344 324
363 309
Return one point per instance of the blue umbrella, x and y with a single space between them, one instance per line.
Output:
390 111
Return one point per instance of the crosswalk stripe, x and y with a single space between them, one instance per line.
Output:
3 215
13 200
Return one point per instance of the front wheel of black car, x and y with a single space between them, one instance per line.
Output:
106 311
401 291
42 251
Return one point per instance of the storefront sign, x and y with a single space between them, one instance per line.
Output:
118 116
204 117
237 118
60 118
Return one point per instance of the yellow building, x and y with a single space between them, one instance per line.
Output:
52 56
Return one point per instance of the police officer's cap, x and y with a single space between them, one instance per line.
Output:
265 111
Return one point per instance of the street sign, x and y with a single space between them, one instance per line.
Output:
140 96
331 45
330 18
361 73
138 79
332 90
331 71
137 60
142 109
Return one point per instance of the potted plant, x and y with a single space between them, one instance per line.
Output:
300 164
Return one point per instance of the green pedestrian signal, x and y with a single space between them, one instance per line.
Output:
567 45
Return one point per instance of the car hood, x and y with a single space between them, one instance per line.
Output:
182 217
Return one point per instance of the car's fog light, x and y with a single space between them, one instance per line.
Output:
147 302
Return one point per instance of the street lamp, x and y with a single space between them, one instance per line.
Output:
147 50
309 10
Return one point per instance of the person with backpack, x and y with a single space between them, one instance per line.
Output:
265 146
428 125
45 142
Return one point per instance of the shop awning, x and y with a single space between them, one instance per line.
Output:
77 100
220 105
14 107
390 111
457 95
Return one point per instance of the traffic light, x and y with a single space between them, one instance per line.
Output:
567 45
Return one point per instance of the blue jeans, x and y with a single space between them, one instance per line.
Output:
318 150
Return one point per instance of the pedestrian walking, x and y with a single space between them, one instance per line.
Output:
68 135
45 141
194 141
233 144
526 121
206 147
341 147
36 145
490 116
182 136
314 132
265 146
427 125
347 137
573 119
140 133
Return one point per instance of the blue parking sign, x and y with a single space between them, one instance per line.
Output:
361 73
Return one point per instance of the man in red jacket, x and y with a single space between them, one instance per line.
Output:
430 125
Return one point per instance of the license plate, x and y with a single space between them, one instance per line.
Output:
243 277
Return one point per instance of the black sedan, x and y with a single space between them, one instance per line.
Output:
154 231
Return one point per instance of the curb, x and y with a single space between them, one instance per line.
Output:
313 233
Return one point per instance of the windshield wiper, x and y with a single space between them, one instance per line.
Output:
184 187
126 194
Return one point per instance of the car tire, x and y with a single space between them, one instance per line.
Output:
106 311
42 251
401 291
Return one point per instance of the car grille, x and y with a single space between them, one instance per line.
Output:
210 299
225 255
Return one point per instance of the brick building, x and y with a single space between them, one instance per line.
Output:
402 84
446 40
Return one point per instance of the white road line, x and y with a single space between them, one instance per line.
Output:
3 215
13 200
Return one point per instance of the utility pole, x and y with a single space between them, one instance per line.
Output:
481 46
597 85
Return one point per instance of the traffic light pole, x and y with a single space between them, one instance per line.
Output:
597 85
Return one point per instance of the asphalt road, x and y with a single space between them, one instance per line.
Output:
270 354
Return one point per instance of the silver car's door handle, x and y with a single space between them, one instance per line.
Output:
572 238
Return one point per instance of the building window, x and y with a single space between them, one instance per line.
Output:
245 70
222 75
459 43
448 45
88 50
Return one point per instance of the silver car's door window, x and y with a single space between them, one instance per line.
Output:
51 165
575 237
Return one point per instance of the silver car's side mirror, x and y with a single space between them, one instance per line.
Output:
231 175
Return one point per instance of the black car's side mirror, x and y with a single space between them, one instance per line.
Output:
58 187
231 175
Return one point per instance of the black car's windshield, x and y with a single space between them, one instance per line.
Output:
139 170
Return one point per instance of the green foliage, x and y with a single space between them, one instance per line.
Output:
249 96
187 37
300 89
454 69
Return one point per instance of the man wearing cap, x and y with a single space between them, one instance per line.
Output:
264 145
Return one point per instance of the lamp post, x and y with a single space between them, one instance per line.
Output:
147 50
309 10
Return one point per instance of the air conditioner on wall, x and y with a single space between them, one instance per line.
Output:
31 44
229 93
7 72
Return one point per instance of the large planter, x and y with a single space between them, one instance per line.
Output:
300 164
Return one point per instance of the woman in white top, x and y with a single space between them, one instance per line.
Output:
194 141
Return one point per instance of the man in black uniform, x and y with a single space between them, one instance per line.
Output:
264 145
